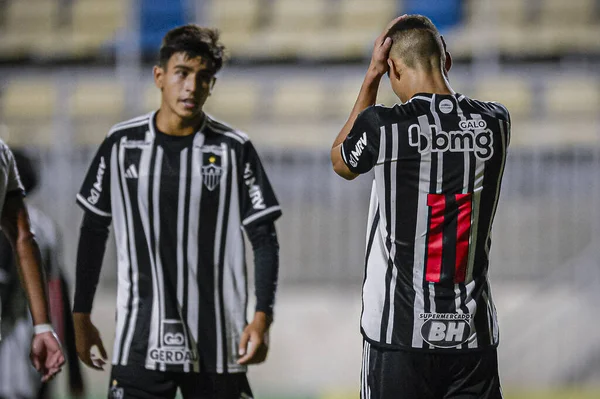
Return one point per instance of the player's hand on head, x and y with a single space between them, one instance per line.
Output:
86 337
381 49
254 345
46 355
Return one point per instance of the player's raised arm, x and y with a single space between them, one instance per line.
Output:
366 98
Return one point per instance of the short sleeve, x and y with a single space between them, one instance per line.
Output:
257 198
94 195
13 182
360 150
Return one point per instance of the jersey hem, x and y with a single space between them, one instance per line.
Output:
448 351
261 215
86 205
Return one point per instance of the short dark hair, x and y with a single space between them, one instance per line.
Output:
193 41
416 40
27 171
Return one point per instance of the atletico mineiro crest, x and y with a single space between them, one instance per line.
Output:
211 174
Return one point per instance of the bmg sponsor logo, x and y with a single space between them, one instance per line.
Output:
445 330
474 136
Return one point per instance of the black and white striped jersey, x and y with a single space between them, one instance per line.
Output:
179 205
10 184
438 162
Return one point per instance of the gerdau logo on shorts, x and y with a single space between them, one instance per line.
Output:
473 136
445 330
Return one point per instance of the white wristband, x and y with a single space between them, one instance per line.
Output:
42 328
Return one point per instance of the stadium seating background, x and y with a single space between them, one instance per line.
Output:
71 68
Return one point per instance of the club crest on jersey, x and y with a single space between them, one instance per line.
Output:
211 173
473 136
445 330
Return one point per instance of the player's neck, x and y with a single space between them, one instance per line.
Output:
419 81
172 124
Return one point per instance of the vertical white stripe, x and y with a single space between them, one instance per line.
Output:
180 223
123 263
420 238
363 374
195 196
374 286
368 368
440 154
180 239
143 204
134 262
234 274
160 281
476 202
472 308
392 191
217 251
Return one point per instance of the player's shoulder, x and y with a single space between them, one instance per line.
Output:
131 127
492 108
226 131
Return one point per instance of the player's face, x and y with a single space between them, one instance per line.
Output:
185 84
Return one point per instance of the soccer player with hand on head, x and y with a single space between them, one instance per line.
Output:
429 323
180 188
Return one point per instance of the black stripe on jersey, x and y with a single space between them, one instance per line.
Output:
207 329
130 274
372 233
223 242
482 319
405 238
186 223
387 166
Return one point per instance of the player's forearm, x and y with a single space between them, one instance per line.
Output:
32 276
366 98
90 254
263 238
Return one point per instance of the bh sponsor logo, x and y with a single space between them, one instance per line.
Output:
473 136
359 147
254 190
97 186
445 330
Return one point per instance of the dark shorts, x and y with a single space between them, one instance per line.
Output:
137 382
401 374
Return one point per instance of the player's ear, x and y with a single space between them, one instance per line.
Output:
448 63
392 69
159 76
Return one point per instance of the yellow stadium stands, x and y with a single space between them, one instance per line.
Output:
236 19
572 97
28 108
514 92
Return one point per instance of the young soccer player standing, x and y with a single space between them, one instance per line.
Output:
179 187
429 323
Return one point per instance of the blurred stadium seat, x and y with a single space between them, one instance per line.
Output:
25 23
95 24
514 92
573 97
28 108
94 107
298 99
236 19
234 100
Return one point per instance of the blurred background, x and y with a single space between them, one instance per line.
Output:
70 69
